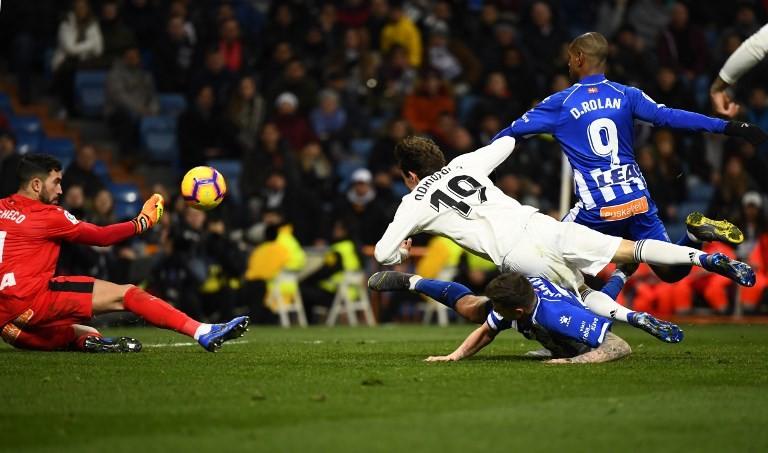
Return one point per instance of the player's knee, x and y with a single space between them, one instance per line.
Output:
625 253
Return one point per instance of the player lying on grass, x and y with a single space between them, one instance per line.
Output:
41 312
537 308
593 120
459 201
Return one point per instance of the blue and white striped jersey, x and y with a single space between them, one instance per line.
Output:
594 122
558 311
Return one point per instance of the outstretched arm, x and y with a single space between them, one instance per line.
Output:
646 109
477 340
613 348
68 228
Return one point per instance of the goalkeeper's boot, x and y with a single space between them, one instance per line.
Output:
737 271
390 281
663 330
97 343
220 333
705 229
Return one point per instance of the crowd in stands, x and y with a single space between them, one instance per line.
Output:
309 97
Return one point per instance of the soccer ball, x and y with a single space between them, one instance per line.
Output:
203 188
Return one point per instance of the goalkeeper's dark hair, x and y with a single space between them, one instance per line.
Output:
510 290
33 166
592 45
419 155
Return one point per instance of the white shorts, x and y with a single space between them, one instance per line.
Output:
560 251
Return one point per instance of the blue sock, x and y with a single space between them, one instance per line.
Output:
613 286
447 293
631 318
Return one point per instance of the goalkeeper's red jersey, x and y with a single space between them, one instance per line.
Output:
31 233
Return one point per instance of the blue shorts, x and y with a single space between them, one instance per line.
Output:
646 225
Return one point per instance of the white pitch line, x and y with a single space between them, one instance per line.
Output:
188 343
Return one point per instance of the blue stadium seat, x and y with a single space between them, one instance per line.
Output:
361 147
158 138
5 104
28 142
172 104
127 199
26 124
61 148
100 169
90 89
231 169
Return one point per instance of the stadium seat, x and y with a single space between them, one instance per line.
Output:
158 138
127 200
285 308
26 124
172 104
61 148
362 148
100 169
90 92
28 142
232 170
342 302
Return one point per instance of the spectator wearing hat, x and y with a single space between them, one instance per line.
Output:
291 123
363 212
329 119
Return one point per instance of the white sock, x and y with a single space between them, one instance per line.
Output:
601 304
414 279
620 273
202 330
652 251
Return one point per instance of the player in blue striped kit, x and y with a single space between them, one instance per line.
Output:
534 306
593 120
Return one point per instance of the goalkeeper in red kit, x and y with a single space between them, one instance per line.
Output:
40 311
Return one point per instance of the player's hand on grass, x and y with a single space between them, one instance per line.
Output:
749 132
559 361
150 214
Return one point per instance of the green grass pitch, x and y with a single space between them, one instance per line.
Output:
367 389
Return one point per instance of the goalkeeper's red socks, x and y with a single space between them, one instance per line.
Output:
161 314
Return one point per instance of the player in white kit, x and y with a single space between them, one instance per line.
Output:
459 201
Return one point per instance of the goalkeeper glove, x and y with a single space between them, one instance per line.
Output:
749 132
150 214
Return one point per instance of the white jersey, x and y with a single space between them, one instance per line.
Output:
460 202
